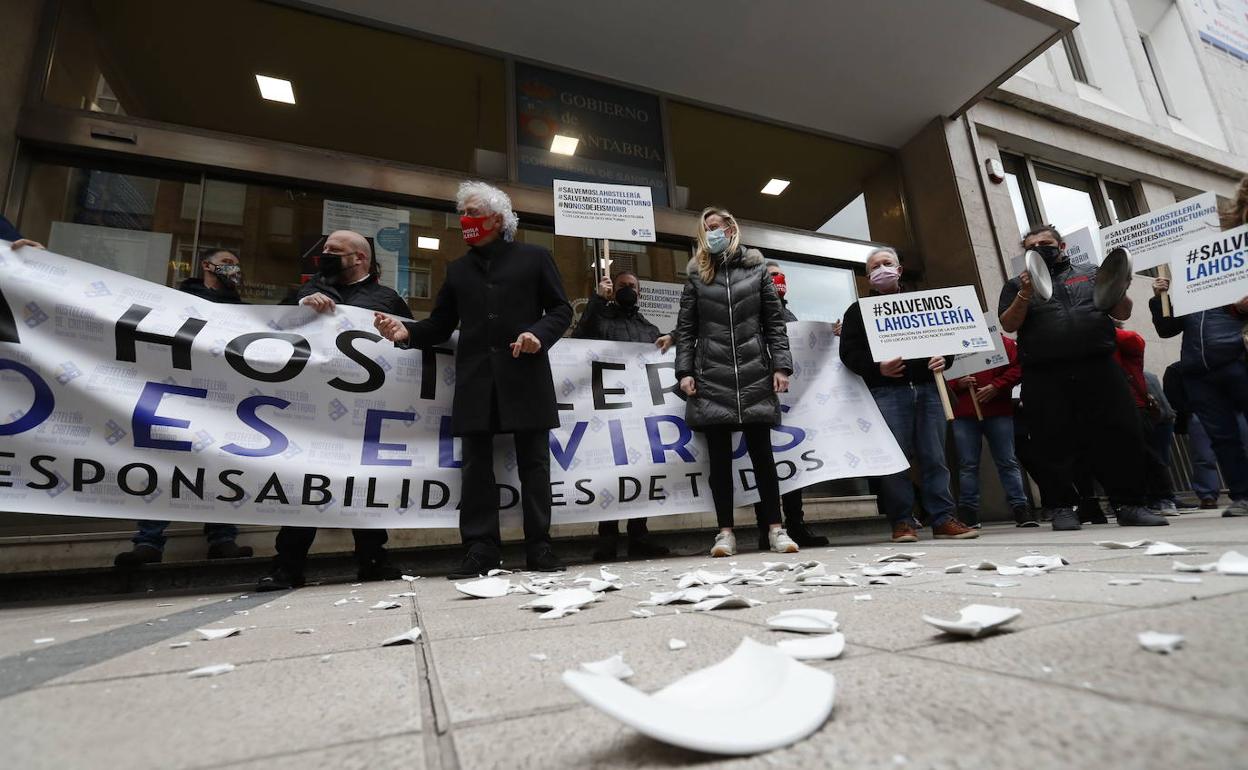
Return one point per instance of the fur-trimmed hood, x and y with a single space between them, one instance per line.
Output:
750 258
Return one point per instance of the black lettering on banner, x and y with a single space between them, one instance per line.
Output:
123 479
126 333
627 496
6 471
300 353
8 323
656 491
514 494
693 482
580 485
600 391
657 391
36 464
747 474
429 371
815 462
180 480
322 487
556 498
426 498
80 479
272 490
226 477
370 499
788 466
376 375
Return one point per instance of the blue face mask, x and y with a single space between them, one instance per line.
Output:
716 241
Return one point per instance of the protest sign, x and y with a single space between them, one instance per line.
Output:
1152 237
1210 272
967 364
613 211
921 324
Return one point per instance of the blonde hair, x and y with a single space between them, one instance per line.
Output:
1237 214
706 260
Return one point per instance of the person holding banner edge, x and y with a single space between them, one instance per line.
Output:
508 302
347 274
613 314
732 359
905 391
1076 398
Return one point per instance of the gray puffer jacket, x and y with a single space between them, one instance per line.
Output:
730 337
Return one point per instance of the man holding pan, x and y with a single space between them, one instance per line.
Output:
1076 398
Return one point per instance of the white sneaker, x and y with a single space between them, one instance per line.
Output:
780 541
1168 508
725 545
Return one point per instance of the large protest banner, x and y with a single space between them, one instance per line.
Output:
124 398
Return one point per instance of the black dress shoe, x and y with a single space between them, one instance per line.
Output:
645 548
475 564
1091 512
378 571
138 556
229 550
607 548
544 560
280 579
1065 520
1024 516
801 534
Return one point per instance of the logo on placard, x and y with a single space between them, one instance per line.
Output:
115 432
67 372
34 315
337 409
864 425
97 289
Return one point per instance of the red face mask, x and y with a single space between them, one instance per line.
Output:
474 229
781 286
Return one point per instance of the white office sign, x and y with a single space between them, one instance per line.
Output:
1210 272
1083 247
615 211
1151 237
967 364
921 324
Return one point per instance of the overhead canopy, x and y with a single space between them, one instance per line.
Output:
874 72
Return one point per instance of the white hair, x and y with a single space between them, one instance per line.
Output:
494 199
883 250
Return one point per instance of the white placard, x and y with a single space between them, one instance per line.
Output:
591 210
127 399
1149 237
1083 247
921 324
1222 24
1210 272
974 363
390 231
660 304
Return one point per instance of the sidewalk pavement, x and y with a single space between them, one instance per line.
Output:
1067 686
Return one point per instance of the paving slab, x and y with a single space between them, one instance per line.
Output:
398 752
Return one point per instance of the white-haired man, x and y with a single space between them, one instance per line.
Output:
508 301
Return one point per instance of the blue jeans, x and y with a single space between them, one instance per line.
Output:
153 533
1205 481
1219 398
968 434
917 420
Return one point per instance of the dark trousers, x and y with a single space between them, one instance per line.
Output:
790 503
637 528
478 510
1156 469
719 451
1083 410
1219 398
293 543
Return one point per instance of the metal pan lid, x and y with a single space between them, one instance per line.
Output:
1113 278
1041 281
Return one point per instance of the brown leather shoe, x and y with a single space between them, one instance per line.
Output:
1208 504
953 529
904 533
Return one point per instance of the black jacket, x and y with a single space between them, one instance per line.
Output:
494 293
196 286
1067 327
604 320
1211 338
785 313
856 354
1176 393
730 338
369 294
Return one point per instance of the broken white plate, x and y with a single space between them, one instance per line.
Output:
879 581
676 644
984 565
1012 571
703 577
953 568
485 588
409 578
1155 641
827 580
610 577
792 590
759 581
386 606
819 570
563 599
498 571
1045 563
901 557
726 603
210 634
213 670
558 612
407 637
1167 549
641 613
775 701
596 585
1114 544
538 656
807 620
899 569
862 598
179 645
1233 563
614 667
994 583
1184 567
976 620
826 647
1126 582
1172 578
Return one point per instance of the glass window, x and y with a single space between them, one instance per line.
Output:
356 89
1122 205
1154 67
816 292
1074 57
1017 181
1071 201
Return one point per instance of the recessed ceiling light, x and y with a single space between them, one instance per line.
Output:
564 145
775 186
276 89
427 243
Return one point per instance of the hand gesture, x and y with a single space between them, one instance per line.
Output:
606 289
687 385
894 368
527 342
319 302
780 382
390 328
664 343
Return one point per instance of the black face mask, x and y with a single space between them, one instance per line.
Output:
329 266
1049 253
626 296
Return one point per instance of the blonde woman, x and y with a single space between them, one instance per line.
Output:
732 358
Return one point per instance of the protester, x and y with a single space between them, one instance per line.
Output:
1205 480
905 391
1129 355
732 358
613 314
508 301
347 274
790 502
997 407
222 279
1215 380
1163 418
1077 400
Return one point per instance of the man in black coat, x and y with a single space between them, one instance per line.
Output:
223 277
508 301
612 314
347 274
